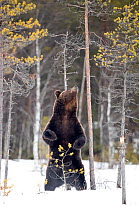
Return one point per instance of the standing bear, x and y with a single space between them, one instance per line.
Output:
65 137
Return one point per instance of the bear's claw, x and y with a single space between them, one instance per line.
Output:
79 143
49 135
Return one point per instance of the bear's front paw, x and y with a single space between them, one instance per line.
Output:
49 135
79 143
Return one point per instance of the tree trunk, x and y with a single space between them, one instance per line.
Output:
119 171
1 105
121 167
122 128
37 110
90 123
111 148
27 145
81 94
101 124
21 142
123 137
65 63
8 136
122 147
123 106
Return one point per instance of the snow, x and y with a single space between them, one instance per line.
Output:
28 193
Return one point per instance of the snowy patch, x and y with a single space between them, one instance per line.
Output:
28 190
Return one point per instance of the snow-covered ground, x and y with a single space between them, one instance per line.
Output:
28 193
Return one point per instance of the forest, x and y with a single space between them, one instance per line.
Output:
43 49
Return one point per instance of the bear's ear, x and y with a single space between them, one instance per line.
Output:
57 93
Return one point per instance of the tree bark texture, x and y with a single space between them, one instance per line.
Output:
38 108
1 104
123 174
81 94
65 63
122 127
21 141
101 124
111 147
8 136
90 123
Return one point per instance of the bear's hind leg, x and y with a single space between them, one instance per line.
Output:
52 184
53 177
80 183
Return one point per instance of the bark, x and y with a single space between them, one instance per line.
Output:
123 106
90 123
121 167
21 141
122 128
65 64
111 147
28 143
81 94
8 136
1 105
123 173
101 123
37 110
119 171
123 136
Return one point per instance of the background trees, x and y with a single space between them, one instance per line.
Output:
118 60
15 76
58 19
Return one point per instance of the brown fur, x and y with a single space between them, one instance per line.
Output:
64 128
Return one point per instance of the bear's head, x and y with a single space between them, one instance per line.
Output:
66 101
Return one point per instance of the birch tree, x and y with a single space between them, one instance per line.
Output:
37 108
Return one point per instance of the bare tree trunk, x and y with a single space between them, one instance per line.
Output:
21 142
65 64
8 136
38 109
101 123
111 148
27 144
123 106
119 171
81 94
123 137
122 148
90 123
121 167
1 105
122 129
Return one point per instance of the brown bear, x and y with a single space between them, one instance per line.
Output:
65 136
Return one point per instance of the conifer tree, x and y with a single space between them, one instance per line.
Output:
121 53
14 33
118 60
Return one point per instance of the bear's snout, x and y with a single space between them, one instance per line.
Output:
74 89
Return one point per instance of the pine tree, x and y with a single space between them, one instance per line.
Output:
14 33
122 51
118 59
